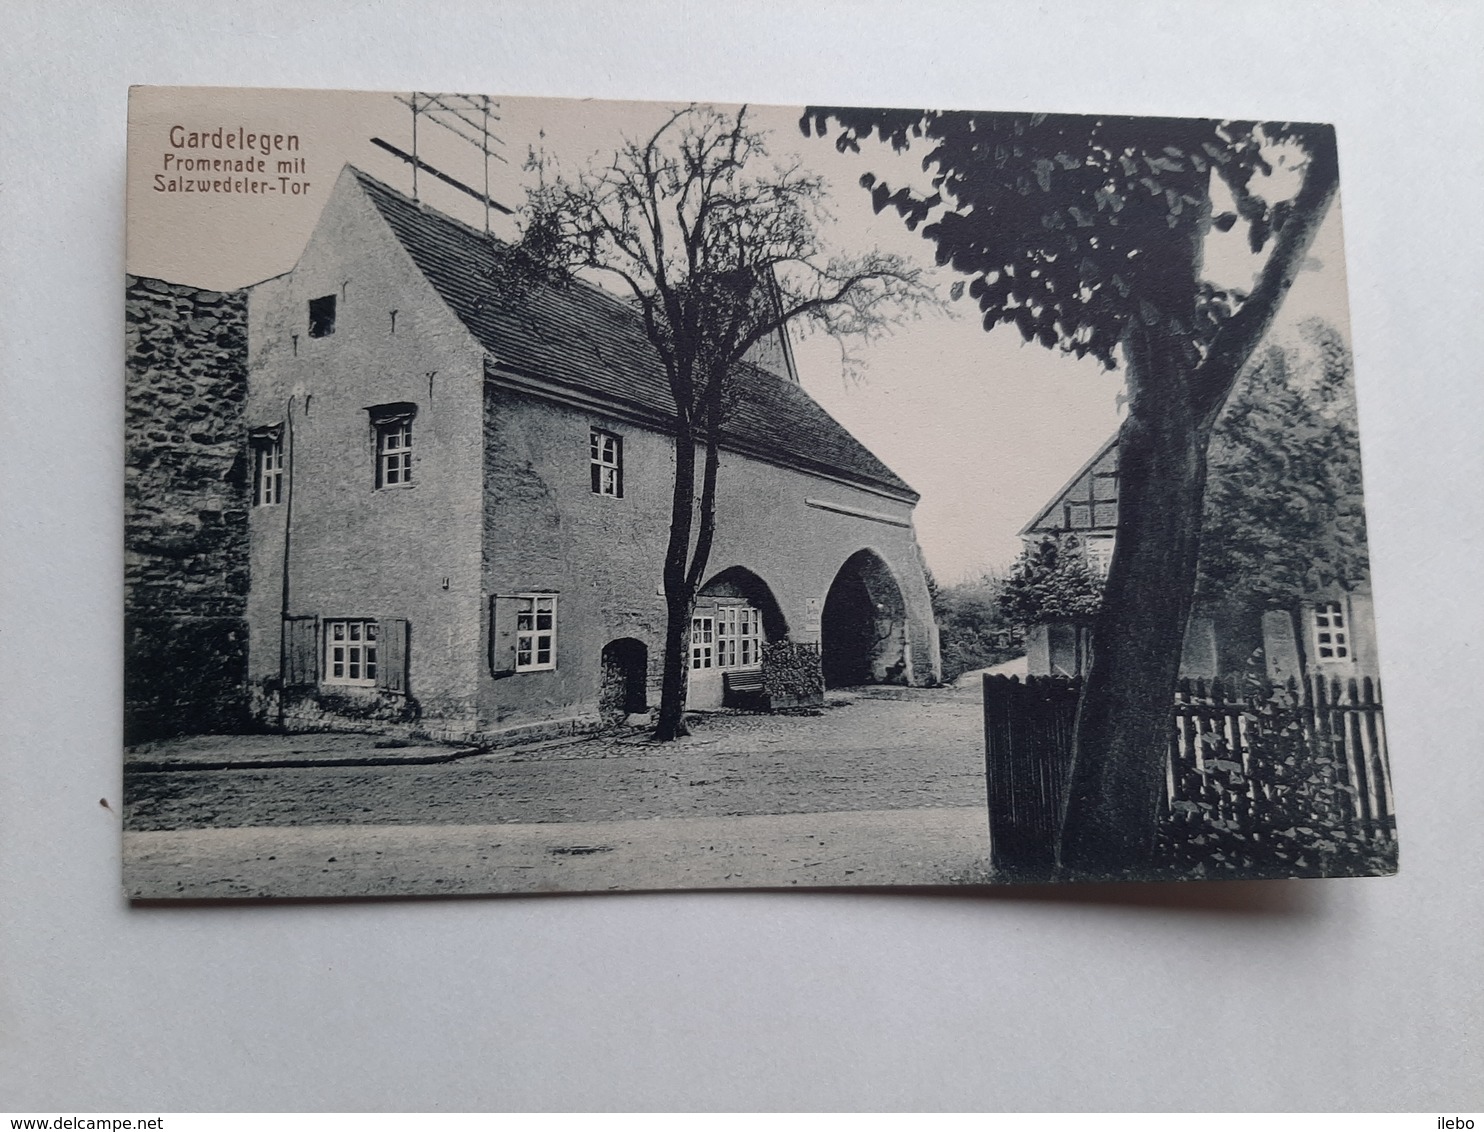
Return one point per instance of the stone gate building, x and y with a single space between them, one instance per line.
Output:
460 497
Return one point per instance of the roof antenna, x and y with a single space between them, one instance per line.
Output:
468 117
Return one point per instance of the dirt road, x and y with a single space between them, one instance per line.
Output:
884 787
880 750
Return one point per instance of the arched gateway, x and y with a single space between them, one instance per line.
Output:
863 629
735 615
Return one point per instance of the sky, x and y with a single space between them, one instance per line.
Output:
984 427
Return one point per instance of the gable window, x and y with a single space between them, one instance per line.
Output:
702 642
267 465
1331 633
535 632
322 316
350 652
1099 555
739 636
392 425
606 463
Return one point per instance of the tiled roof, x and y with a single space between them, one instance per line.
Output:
585 339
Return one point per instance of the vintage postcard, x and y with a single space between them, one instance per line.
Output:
552 495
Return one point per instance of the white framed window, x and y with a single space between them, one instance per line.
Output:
394 453
606 463
392 426
739 636
535 632
1331 632
350 651
267 477
1099 555
702 642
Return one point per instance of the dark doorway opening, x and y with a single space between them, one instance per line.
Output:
624 688
863 628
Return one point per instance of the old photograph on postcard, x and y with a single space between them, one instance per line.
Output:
540 495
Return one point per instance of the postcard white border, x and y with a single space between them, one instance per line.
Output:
1325 995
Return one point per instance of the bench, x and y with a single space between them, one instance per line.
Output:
743 688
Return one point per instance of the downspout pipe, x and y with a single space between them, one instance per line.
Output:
288 526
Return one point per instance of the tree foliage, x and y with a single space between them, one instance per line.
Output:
718 249
1051 581
1285 518
1066 223
1088 233
717 246
1284 512
972 629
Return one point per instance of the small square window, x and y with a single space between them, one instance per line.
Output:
606 463
1331 636
322 316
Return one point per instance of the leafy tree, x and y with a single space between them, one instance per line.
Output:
1284 513
1051 581
972 630
718 250
1088 235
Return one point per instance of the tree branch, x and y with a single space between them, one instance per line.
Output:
702 553
1240 334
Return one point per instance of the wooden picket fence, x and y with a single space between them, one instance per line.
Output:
1028 752
1229 757
1307 753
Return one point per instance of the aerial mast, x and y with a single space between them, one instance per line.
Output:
467 117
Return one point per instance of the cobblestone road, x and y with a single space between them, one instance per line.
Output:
874 749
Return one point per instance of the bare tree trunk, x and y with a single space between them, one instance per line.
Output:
674 682
679 594
682 584
1123 720
701 555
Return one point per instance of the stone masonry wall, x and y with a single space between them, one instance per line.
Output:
186 497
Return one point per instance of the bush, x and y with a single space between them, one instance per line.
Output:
384 707
792 673
972 630
1287 814
1051 581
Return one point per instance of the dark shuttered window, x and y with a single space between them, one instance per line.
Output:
391 676
300 654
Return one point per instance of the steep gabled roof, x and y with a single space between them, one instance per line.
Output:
582 338
1099 509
